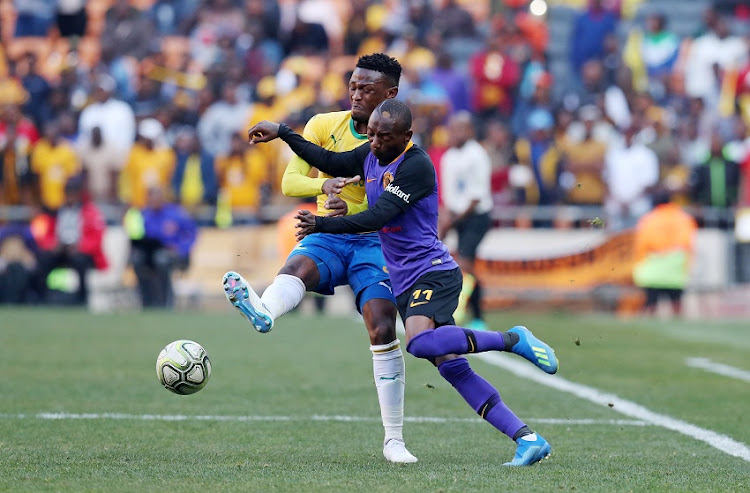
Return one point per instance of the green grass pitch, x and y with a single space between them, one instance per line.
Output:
270 410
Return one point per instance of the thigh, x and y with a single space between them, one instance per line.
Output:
674 294
328 251
366 271
434 295
470 234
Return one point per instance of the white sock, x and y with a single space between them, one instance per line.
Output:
285 293
389 371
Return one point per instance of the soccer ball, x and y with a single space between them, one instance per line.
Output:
183 367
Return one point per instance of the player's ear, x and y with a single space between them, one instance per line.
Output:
391 93
407 135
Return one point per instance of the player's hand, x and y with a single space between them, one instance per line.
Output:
264 131
306 224
337 206
335 185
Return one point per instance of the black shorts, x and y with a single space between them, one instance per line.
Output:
653 294
434 295
470 233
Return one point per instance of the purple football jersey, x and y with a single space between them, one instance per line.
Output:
409 241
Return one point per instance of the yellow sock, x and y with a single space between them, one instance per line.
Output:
466 291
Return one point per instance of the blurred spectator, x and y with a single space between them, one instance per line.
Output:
664 242
147 98
17 263
541 157
589 32
745 182
453 21
127 31
172 17
151 164
709 55
715 182
692 146
17 137
162 236
305 38
585 162
37 88
215 18
70 238
452 81
590 90
71 18
540 99
34 17
101 162
498 143
465 187
495 75
265 16
631 170
223 118
664 143
659 50
242 174
194 179
54 162
115 118
356 29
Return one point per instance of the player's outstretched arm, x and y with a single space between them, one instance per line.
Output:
333 163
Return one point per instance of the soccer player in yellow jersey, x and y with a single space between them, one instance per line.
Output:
322 261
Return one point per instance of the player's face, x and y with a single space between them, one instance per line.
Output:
367 89
387 139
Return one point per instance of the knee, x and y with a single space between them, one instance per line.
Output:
419 346
382 331
302 268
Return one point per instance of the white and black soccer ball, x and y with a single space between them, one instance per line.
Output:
183 367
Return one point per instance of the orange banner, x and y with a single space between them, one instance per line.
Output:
608 263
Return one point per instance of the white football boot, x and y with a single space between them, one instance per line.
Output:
395 451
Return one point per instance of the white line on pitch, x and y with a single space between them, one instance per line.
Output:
315 417
718 368
721 442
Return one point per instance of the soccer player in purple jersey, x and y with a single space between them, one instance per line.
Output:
401 188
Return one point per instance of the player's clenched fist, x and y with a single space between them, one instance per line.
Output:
264 131
306 224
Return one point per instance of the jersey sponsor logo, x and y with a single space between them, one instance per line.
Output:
417 303
391 229
371 180
387 179
335 142
385 284
396 190
437 261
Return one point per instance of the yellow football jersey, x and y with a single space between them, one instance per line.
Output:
335 132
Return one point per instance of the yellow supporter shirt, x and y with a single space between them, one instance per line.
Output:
241 176
146 168
54 165
335 132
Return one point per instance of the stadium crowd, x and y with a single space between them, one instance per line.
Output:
153 97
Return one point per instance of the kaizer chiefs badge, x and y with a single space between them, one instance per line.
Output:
387 179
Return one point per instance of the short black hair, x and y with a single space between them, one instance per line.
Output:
386 65
398 112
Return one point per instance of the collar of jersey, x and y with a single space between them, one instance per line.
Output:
356 134
408 146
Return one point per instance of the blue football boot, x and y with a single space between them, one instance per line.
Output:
531 449
534 350
241 296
